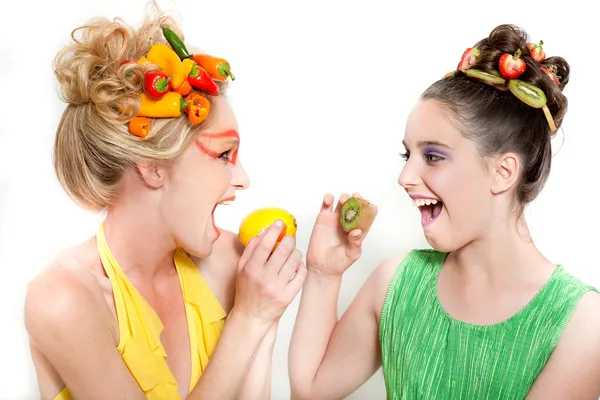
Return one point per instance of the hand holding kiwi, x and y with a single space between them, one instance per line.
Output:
338 234
357 213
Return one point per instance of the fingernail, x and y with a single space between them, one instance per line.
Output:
278 224
261 232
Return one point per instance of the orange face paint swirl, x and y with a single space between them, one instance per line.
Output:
231 134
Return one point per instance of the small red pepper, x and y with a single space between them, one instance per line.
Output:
197 107
156 84
201 80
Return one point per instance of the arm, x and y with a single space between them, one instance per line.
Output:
258 382
228 252
573 370
330 359
263 292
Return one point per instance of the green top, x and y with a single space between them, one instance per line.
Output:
426 354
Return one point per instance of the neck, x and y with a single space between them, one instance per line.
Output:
138 238
506 252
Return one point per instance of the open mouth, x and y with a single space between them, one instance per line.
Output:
226 201
430 209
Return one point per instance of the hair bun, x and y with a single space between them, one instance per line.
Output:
91 70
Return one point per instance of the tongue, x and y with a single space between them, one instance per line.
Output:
426 213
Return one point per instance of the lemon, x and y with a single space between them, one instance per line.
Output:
261 218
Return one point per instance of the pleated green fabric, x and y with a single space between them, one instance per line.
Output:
427 354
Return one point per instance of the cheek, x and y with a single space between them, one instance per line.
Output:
459 185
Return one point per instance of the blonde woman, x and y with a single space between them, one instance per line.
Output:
160 303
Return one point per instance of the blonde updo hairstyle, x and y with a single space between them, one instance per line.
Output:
93 146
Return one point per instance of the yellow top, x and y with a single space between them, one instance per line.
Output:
140 328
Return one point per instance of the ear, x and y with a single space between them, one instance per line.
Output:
151 174
506 171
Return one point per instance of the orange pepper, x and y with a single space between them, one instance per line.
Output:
140 126
197 107
184 89
217 68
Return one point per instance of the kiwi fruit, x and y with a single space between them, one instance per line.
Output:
485 77
357 214
528 93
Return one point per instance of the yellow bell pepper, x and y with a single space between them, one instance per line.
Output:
168 61
142 60
188 64
168 106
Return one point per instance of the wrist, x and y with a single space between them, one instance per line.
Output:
317 273
248 324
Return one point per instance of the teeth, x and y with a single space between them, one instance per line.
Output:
423 202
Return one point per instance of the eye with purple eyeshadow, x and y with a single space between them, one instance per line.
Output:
434 155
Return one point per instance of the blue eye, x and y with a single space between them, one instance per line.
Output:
405 155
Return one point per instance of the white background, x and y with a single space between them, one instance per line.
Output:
322 93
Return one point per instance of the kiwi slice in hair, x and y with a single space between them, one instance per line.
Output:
527 93
357 214
485 77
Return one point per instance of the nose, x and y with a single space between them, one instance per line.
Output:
240 178
410 175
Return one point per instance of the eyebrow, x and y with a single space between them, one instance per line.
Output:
424 143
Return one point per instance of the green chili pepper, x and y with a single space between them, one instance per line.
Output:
176 43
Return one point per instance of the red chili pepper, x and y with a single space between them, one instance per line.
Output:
156 84
201 80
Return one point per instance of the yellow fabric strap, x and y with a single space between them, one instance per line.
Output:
140 327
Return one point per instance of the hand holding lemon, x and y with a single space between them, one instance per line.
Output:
269 275
261 219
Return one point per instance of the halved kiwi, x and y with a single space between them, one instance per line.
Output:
485 77
527 93
357 214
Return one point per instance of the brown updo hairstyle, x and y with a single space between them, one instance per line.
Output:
496 120
93 145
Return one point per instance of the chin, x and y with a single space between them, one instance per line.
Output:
199 245
201 250
444 246
442 239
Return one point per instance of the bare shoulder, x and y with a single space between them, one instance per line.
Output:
378 283
63 294
220 268
573 370
229 245
585 324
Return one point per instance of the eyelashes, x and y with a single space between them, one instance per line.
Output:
430 157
